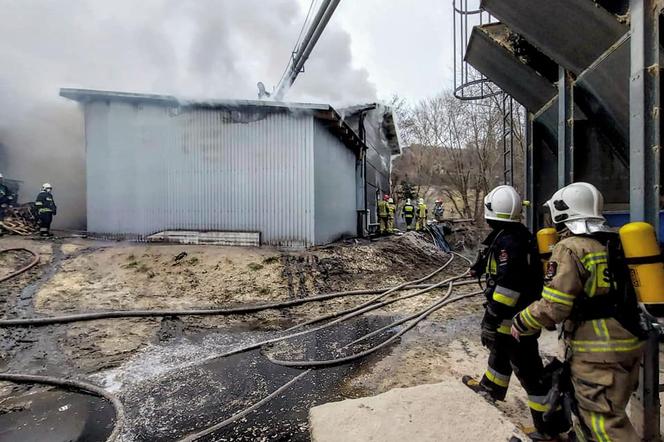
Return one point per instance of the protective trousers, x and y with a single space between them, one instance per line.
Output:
523 358
390 223
421 223
384 224
602 391
409 223
45 220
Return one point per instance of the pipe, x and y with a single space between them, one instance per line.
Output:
34 262
76 385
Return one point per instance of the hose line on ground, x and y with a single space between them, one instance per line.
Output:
418 317
345 359
118 314
377 298
34 262
74 385
246 411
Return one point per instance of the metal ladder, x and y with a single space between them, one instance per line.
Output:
508 139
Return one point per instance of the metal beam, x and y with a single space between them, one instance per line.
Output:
644 136
644 140
565 128
529 172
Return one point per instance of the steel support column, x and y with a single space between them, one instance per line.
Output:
529 173
565 128
644 141
644 133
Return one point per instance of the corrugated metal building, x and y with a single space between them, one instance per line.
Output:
293 172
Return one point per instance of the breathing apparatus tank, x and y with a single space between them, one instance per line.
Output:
546 240
646 267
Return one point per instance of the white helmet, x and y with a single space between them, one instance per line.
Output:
46 186
421 200
579 206
503 204
408 201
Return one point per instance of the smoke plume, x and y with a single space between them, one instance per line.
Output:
197 49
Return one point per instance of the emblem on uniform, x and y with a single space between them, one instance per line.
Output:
551 269
503 256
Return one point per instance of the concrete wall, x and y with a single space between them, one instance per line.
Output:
152 167
335 187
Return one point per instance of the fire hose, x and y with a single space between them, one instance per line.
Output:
373 304
34 262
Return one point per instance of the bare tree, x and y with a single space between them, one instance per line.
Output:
455 146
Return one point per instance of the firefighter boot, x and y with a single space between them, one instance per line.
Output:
478 388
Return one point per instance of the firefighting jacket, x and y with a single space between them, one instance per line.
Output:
513 275
409 211
45 203
383 209
392 208
422 211
578 267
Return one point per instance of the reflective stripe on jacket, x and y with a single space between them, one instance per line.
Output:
578 266
409 211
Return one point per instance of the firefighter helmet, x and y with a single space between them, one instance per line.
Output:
578 207
386 197
577 201
47 187
503 204
391 200
408 201
421 201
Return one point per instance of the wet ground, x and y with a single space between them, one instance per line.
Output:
161 368
169 393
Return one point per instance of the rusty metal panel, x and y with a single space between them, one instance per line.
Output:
486 54
155 167
573 33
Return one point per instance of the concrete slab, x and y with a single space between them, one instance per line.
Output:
447 411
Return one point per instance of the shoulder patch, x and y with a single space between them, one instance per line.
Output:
551 270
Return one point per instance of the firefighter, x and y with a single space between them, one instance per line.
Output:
6 197
438 210
383 214
602 334
513 275
422 213
46 209
408 213
392 210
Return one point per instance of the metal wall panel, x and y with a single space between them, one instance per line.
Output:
153 167
335 187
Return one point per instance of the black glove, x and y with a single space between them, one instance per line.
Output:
488 337
490 323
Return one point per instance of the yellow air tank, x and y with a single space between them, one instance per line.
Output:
645 264
546 239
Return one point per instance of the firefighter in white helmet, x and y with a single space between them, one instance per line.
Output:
603 338
513 275
46 209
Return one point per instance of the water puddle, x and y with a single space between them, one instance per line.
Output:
55 416
170 392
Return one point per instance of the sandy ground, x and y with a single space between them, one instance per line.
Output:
420 413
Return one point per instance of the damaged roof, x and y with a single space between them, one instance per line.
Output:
323 112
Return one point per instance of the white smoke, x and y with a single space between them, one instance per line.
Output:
208 49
